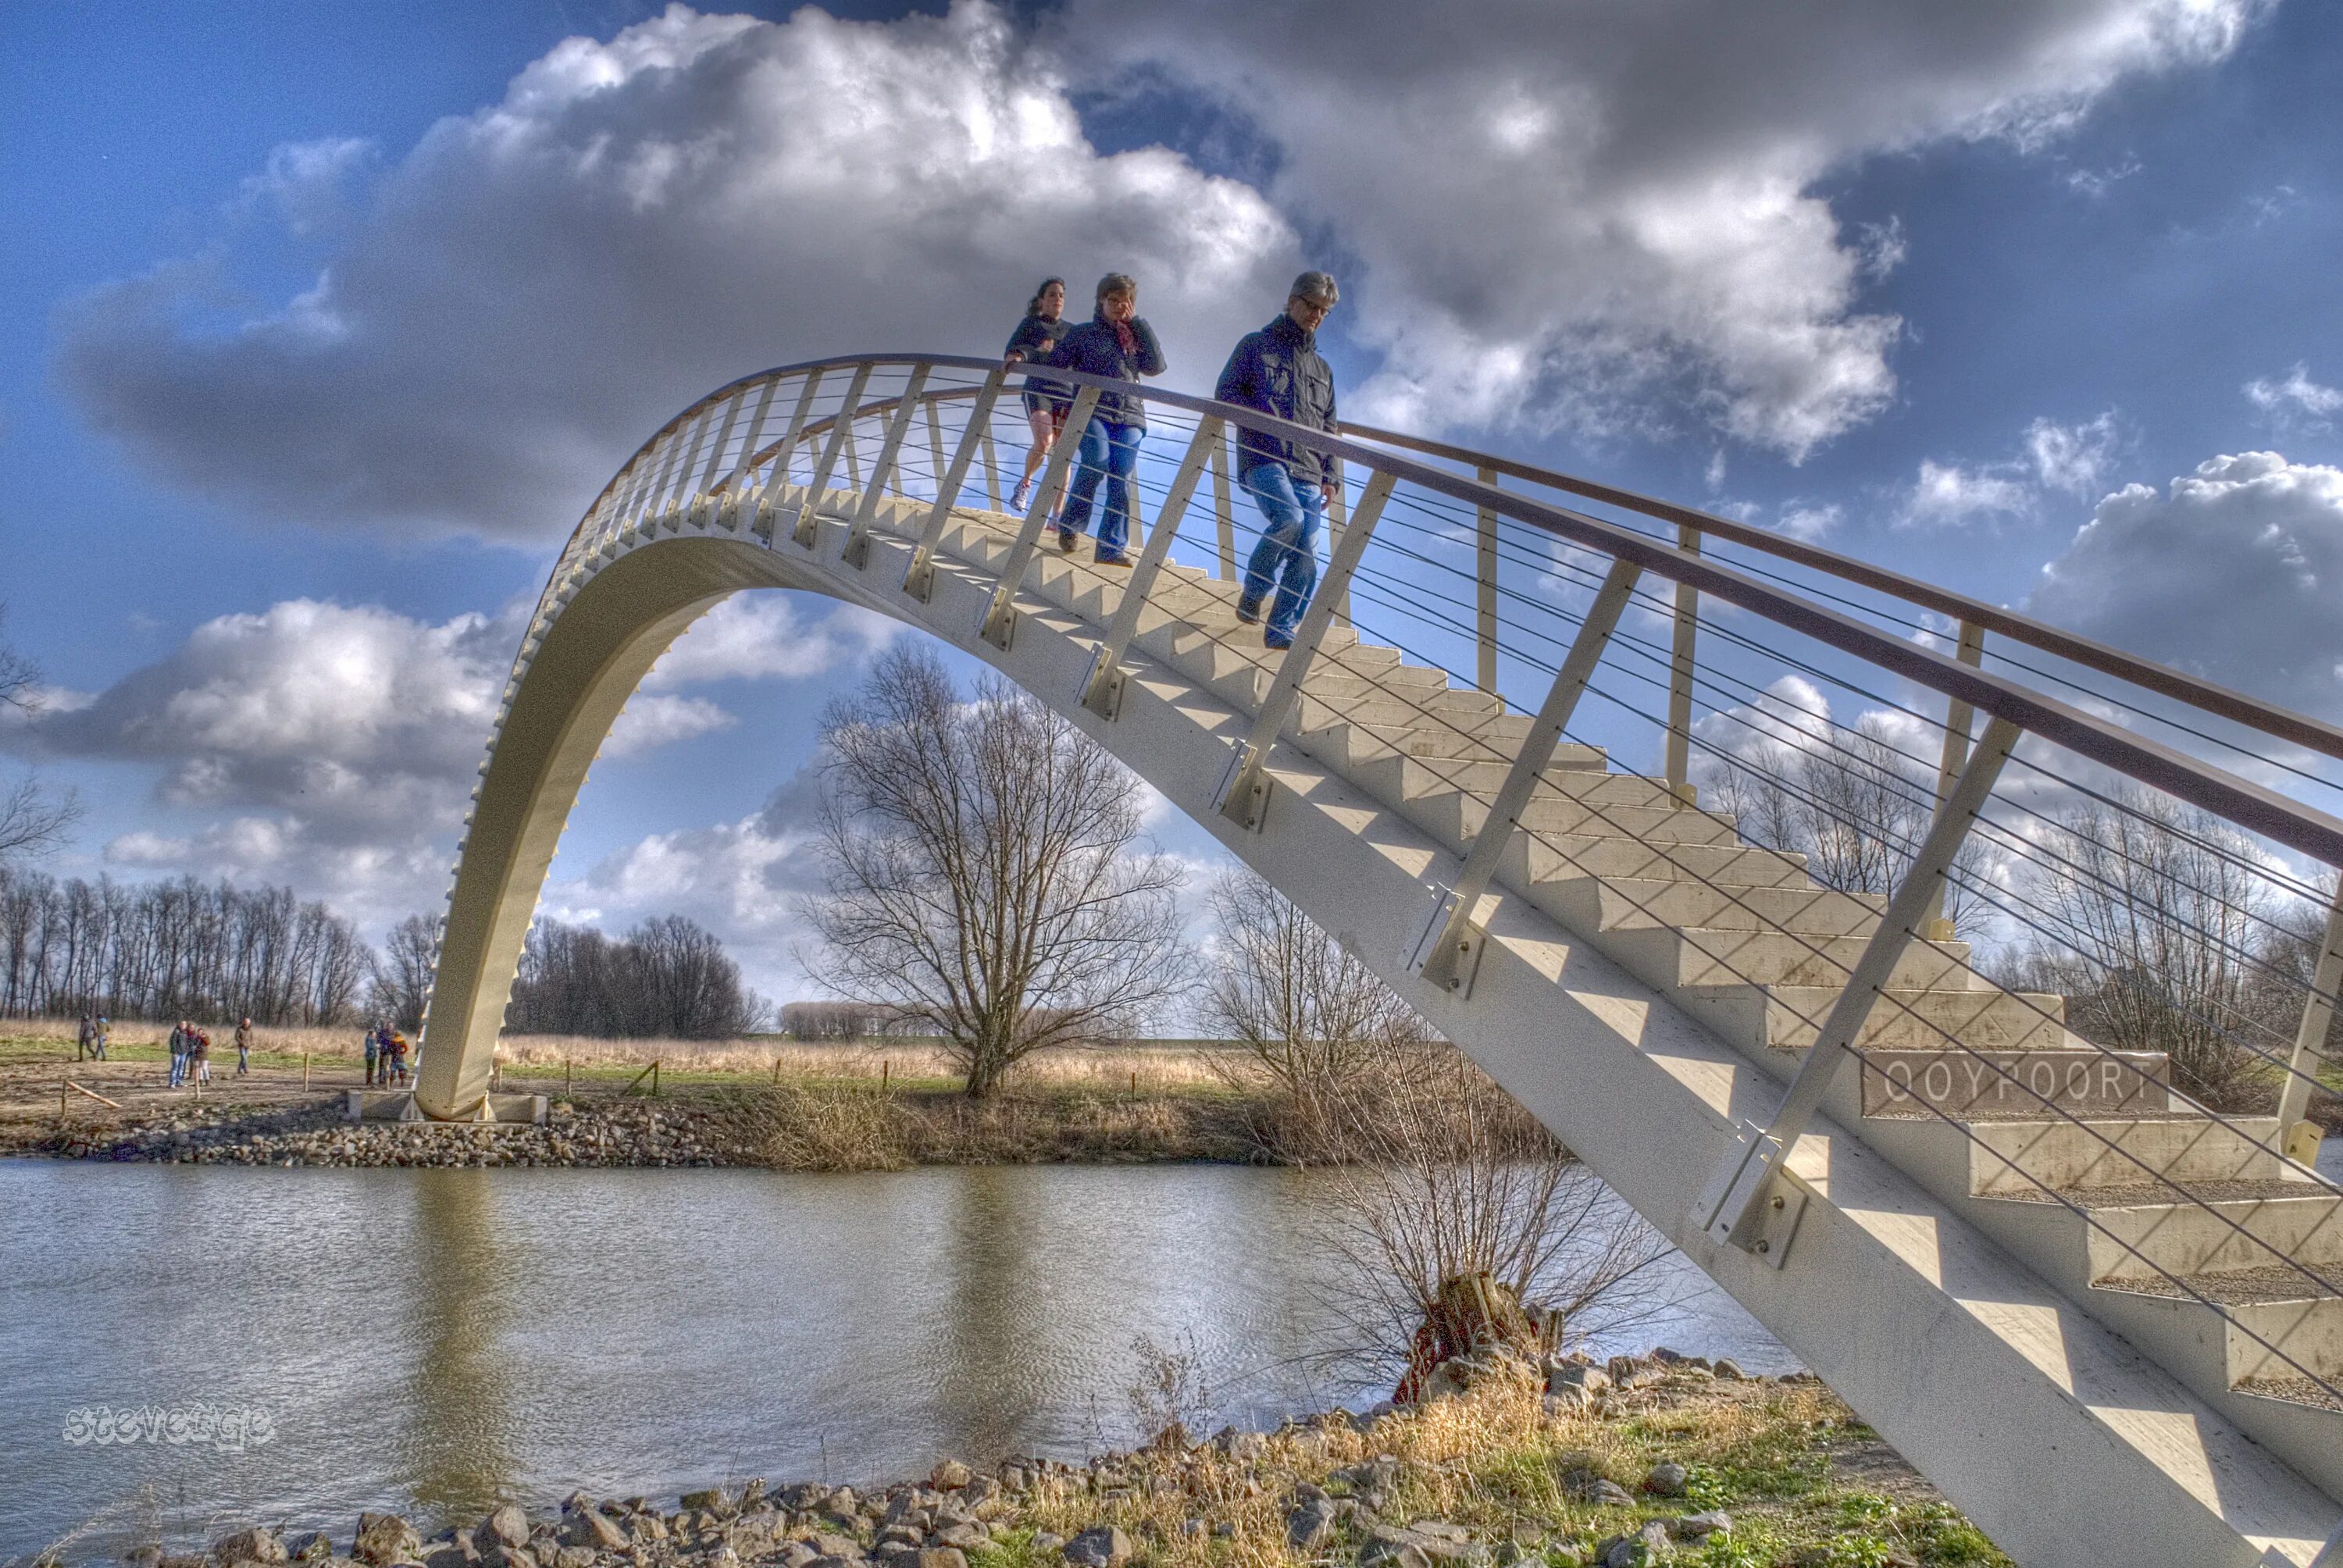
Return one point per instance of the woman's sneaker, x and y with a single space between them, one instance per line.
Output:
1066 538
1022 496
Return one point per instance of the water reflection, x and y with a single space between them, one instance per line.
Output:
435 1340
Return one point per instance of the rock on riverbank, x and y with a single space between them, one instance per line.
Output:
596 1134
1640 1461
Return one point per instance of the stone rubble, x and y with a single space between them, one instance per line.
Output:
588 1133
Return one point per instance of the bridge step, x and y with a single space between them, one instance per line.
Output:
1789 1017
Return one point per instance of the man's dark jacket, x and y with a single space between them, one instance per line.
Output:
1093 348
1279 371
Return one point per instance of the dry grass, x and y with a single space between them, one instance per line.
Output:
1791 1463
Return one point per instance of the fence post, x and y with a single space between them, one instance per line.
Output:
1223 510
1734 1206
919 578
1485 558
1448 949
305 1070
1680 669
999 623
1102 687
808 511
891 447
2310 1043
1959 717
1243 794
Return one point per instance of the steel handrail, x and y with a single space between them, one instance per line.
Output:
2249 805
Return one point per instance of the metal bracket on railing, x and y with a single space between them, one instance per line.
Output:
858 533
1729 1209
809 509
1449 956
1765 1211
1959 717
920 577
999 624
1244 793
1102 686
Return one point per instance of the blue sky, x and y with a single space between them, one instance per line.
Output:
1940 289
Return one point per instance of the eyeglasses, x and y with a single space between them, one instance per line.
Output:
1315 306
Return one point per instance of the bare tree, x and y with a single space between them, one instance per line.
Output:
984 869
32 820
1461 1220
2168 937
1311 1015
402 974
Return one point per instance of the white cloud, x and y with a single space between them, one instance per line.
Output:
1809 523
1592 214
335 746
2235 573
2071 459
521 298
2296 396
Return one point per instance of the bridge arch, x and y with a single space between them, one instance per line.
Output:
1673 1001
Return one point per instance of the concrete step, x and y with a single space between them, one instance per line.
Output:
1706 956
2017 1157
1788 1016
2144 1230
1562 857
1640 904
2278 1323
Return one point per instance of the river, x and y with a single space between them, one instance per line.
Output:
431 1341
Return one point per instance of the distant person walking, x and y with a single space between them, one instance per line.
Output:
199 1054
373 1045
1279 370
1046 401
81 1042
1117 342
179 1043
244 1048
97 1039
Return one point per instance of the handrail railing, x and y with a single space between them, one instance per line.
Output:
2250 805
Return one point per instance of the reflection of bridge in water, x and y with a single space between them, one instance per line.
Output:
2105 1319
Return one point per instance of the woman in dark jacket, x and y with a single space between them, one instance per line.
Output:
1116 341
1045 400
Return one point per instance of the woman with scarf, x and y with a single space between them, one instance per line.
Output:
1045 400
1115 342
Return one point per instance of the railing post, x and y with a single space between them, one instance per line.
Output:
1959 717
919 579
1224 510
1680 669
1484 554
991 471
1448 949
2298 1139
1741 1203
690 461
858 533
633 520
796 432
936 445
723 437
999 624
738 498
1243 794
1102 687
1338 523
808 510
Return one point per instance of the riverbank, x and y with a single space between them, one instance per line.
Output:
1644 1460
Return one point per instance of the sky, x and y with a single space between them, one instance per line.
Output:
319 326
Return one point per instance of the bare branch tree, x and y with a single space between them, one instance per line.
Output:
402 974
1462 1221
32 820
1309 1013
984 869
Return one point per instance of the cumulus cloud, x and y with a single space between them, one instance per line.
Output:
1581 211
2234 573
334 746
2295 397
509 307
2052 458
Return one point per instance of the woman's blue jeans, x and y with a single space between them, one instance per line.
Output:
1287 554
1109 451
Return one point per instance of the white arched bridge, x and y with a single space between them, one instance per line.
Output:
2103 1315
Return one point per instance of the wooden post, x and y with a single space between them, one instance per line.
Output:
654 1078
305 1070
569 1073
777 1069
886 1066
61 1098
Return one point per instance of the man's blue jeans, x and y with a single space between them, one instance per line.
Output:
1109 451
1287 554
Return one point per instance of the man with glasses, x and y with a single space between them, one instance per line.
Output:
1278 370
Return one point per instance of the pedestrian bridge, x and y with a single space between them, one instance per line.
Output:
1501 763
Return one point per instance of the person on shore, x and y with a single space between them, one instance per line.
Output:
398 1058
373 1048
244 1048
1046 401
1117 342
82 1041
179 1053
97 1039
1278 370
199 1055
